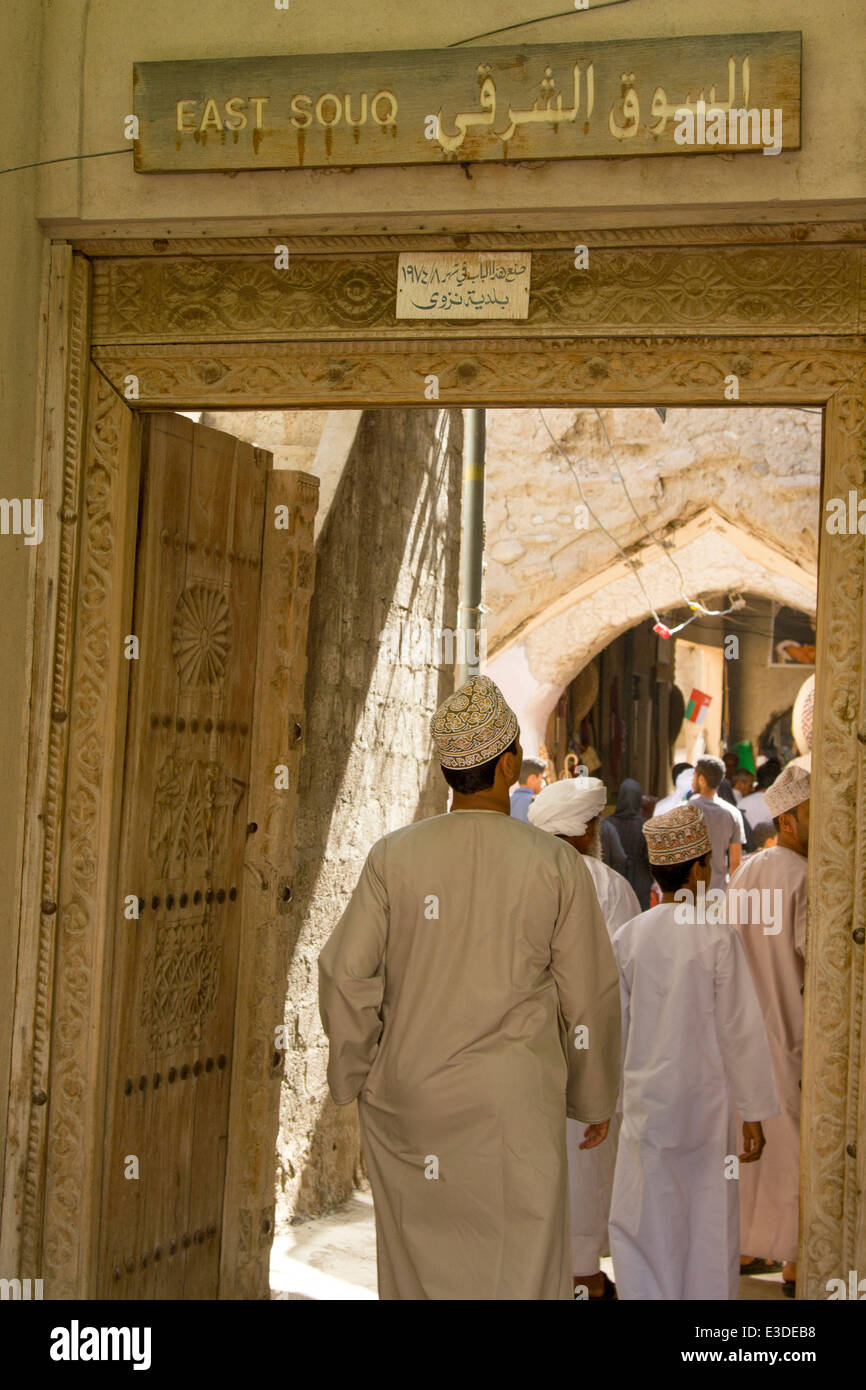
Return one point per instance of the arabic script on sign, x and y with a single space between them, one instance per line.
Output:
590 100
439 285
623 119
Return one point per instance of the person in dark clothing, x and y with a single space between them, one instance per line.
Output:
726 791
647 806
628 821
612 851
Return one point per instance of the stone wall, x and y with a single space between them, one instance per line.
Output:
388 552
760 468
733 494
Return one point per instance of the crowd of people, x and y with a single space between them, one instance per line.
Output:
556 1022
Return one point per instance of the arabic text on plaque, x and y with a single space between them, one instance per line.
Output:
439 285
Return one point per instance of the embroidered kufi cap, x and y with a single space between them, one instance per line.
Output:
802 715
677 835
473 725
790 789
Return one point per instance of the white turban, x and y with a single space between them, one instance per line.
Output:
567 807
791 788
683 786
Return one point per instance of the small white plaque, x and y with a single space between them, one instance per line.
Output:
477 285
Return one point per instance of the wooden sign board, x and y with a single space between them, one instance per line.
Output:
442 285
437 106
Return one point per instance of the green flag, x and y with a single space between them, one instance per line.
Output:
745 756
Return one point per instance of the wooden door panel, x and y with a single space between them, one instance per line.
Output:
183 836
228 547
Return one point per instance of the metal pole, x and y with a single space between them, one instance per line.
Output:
468 652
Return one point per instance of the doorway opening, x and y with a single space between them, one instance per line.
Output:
626 705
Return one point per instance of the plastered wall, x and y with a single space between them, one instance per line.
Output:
23 270
90 48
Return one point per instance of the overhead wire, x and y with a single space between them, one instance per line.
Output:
473 38
525 23
598 521
64 159
698 609
692 603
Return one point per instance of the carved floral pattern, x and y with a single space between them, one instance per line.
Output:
181 978
69 1182
193 803
32 1125
761 291
200 636
498 371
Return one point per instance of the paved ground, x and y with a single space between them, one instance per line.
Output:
334 1258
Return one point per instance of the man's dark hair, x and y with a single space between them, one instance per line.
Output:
670 877
743 772
712 770
468 780
791 811
767 773
764 831
531 767
678 768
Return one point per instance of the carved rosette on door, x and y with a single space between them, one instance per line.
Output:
183 834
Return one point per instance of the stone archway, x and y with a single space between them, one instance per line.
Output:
791 337
564 485
714 556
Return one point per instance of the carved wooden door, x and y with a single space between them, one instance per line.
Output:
183 831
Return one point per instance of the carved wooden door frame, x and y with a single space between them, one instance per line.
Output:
665 316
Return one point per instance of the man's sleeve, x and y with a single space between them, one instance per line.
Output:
741 1034
738 834
584 969
352 982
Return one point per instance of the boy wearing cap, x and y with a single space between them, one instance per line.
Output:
693 1037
